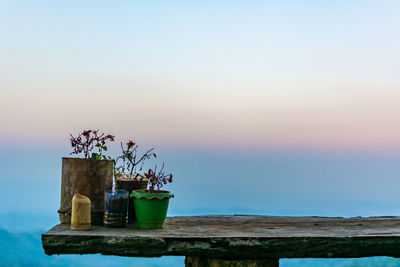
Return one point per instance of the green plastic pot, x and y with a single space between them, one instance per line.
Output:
151 208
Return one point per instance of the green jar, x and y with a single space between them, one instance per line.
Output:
151 208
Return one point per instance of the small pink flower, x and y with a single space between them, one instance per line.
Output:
148 175
130 144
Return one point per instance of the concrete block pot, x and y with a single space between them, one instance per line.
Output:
130 183
89 177
127 172
151 208
115 208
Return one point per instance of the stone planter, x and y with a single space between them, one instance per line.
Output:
88 177
129 185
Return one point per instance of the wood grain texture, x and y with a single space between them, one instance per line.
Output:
237 237
88 177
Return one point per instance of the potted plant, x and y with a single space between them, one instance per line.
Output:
128 176
151 205
89 176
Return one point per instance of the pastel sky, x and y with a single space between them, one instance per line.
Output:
233 73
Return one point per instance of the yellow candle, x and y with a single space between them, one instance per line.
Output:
80 216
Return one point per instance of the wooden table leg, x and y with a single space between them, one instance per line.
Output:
209 262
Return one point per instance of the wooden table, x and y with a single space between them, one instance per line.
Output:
239 240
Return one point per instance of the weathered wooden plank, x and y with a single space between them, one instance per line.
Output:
237 237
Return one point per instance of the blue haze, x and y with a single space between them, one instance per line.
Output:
207 181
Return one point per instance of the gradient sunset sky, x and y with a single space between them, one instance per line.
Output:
313 74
